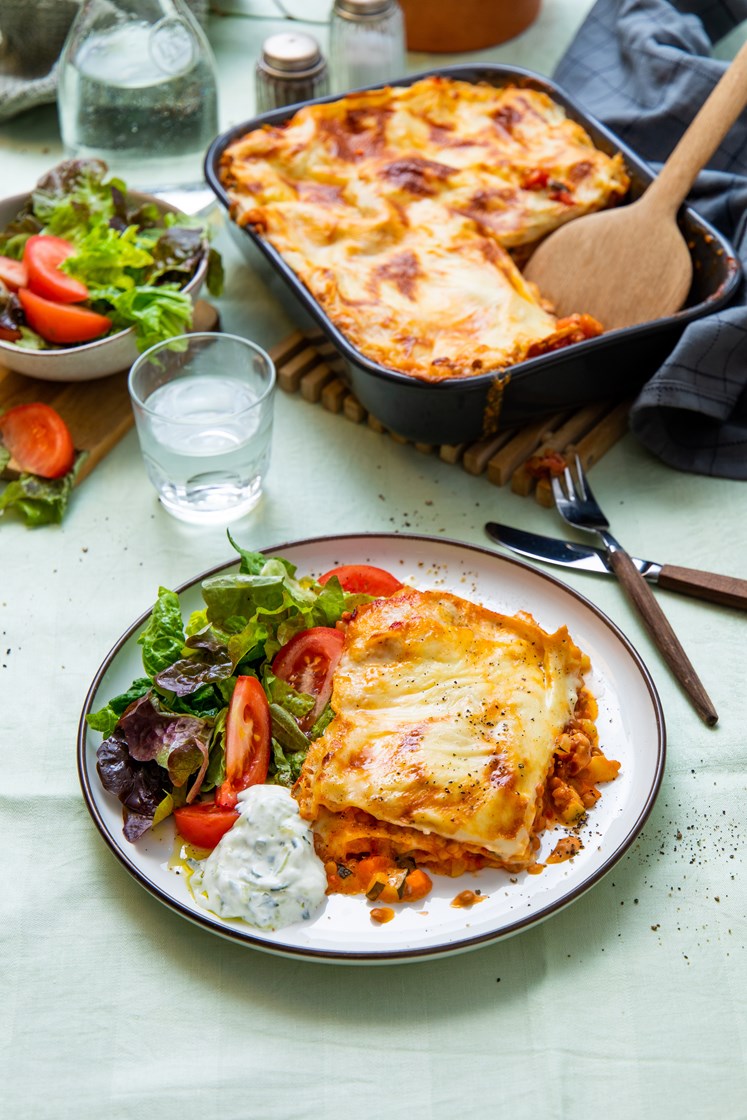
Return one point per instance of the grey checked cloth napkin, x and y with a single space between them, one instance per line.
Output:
32 34
644 68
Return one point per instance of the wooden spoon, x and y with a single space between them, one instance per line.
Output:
632 264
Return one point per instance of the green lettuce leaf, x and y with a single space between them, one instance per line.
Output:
297 704
156 314
215 774
285 766
41 501
163 637
107 258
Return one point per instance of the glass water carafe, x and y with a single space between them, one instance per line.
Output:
137 88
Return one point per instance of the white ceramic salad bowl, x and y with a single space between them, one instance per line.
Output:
86 360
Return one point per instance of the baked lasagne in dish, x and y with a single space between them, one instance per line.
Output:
458 735
405 210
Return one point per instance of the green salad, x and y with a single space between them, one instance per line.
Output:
133 259
178 737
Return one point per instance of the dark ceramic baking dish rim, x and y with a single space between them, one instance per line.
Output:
603 137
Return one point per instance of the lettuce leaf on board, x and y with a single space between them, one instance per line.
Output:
40 501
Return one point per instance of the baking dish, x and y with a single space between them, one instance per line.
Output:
610 367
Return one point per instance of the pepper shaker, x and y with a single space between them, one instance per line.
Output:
291 68
367 43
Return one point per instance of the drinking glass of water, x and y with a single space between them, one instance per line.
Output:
137 88
203 407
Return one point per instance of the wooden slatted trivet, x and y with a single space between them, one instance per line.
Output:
308 364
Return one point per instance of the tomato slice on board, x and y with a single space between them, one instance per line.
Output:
42 256
38 439
308 662
247 741
363 579
204 823
13 274
61 322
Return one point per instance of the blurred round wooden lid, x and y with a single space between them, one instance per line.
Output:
450 26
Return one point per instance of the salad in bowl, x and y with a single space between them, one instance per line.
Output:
91 274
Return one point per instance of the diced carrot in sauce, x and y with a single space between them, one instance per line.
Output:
417 885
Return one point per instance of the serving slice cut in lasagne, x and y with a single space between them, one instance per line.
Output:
458 734
403 210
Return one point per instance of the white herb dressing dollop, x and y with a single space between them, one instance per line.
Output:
264 870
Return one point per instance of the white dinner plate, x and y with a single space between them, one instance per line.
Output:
631 727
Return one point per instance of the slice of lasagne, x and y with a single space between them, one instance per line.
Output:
458 734
404 210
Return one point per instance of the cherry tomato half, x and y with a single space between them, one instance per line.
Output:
42 256
204 823
61 322
308 662
363 579
13 274
38 439
247 741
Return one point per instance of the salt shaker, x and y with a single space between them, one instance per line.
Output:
291 68
366 43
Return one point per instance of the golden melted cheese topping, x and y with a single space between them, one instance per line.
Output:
397 209
446 720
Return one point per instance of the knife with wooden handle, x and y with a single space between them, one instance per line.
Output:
728 591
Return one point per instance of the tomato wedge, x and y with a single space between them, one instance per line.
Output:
61 322
38 439
42 256
13 274
363 579
204 823
247 741
308 662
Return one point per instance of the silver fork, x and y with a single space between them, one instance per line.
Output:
577 505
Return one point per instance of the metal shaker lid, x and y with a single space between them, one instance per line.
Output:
362 9
291 54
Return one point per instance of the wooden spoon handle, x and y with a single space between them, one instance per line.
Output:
727 590
711 124
662 633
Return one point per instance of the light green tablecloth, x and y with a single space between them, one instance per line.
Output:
630 1003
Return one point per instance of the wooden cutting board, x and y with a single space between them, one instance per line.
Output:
98 412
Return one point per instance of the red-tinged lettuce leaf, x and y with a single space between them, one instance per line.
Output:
211 663
11 315
176 255
178 743
106 719
140 786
